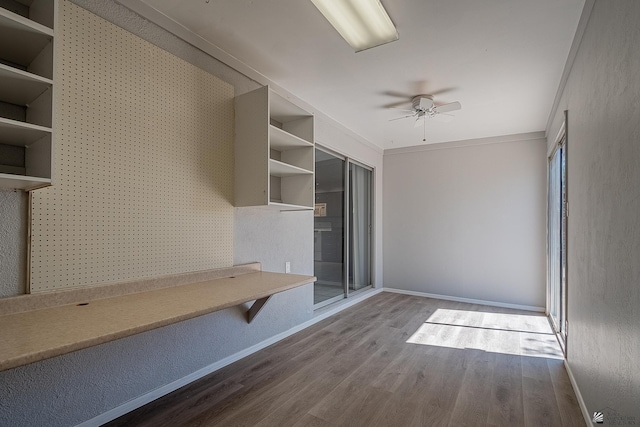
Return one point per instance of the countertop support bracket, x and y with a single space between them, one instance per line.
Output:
256 307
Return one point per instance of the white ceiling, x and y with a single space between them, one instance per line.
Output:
502 59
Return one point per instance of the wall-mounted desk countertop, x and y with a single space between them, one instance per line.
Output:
34 335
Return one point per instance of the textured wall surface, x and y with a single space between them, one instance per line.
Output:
70 389
124 18
602 96
143 162
13 242
291 243
467 222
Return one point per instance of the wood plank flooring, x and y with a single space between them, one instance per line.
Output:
392 360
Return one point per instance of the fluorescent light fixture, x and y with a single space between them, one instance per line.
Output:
362 23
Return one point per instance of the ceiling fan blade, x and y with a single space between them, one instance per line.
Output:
399 118
452 106
442 91
397 94
398 104
444 118
402 109
425 86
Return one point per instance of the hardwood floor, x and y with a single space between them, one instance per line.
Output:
392 360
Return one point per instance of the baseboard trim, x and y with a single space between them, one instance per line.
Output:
139 401
576 390
329 310
467 300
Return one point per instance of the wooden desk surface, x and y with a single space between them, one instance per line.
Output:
40 334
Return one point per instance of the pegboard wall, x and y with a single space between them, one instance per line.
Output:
143 162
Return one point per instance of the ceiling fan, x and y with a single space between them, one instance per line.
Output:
423 107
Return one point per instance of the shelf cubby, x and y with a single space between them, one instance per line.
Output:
281 169
13 132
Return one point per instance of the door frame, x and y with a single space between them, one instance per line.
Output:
560 145
346 228
350 162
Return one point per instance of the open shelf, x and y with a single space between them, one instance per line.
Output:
283 110
280 169
283 141
274 152
21 87
13 132
289 207
21 40
38 11
22 182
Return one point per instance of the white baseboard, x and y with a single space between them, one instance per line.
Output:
467 300
576 390
139 401
334 308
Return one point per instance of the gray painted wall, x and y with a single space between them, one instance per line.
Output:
273 238
13 242
602 96
467 221
75 387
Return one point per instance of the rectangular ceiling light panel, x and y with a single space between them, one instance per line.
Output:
362 23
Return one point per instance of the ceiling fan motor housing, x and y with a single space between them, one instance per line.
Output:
422 103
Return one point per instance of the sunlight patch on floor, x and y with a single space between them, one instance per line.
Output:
515 334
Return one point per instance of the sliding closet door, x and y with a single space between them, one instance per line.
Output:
360 202
329 229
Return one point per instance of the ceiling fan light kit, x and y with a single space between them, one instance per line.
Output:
362 23
423 107
422 103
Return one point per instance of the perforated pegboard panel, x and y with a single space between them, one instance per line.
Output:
143 179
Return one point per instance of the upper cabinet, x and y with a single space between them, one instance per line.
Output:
274 152
26 92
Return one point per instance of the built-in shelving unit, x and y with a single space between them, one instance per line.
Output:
274 152
26 93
